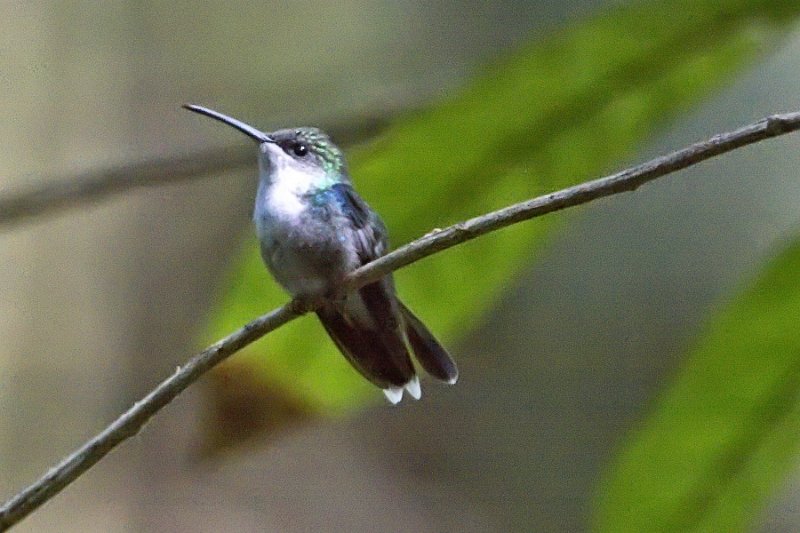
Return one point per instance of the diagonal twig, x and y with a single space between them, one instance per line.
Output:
129 423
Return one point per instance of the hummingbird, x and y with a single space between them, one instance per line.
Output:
314 229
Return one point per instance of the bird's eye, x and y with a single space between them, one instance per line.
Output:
300 149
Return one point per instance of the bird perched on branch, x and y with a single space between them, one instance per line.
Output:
315 229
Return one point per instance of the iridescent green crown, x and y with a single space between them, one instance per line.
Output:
320 144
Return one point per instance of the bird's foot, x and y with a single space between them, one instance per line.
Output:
336 296
306 303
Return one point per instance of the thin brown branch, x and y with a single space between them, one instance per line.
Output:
626 180
132 421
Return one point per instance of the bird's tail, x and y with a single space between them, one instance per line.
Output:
377 347
430 354
380 355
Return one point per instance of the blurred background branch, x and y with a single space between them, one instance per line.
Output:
132 421
64 192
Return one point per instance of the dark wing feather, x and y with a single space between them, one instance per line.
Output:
374 343
352 205
366 351
369 232
429 352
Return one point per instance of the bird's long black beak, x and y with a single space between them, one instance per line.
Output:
248 130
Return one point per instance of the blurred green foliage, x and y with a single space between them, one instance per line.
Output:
726 431
559 111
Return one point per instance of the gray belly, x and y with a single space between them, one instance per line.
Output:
306 256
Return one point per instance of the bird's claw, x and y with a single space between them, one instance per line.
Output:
336 297
307 303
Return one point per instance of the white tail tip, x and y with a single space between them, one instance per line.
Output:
413 388
393 394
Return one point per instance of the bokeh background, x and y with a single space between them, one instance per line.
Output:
573 346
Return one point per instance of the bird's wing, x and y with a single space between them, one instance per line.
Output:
371 236
369 233
368 329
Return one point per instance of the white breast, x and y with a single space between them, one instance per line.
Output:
289 184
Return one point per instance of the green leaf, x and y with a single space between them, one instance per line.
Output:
554 113
727 430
